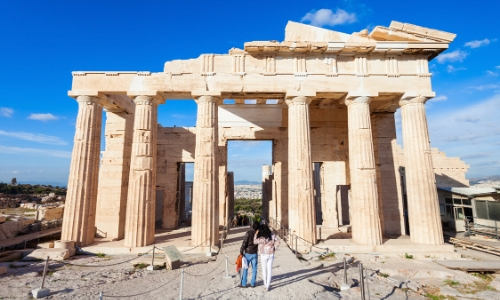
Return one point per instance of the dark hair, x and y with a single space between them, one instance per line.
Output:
255 225
264 231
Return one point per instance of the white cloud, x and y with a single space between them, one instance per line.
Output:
43 117
439 98
467 131
485 87
327 17
457 55
498 67
33 151
6 112
33 137
477 43
452 69
491 73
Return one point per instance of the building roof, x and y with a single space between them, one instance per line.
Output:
470 191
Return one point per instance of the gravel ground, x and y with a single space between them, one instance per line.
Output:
203 278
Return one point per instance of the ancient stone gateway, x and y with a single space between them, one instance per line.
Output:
326 99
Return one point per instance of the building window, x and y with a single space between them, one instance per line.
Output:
449 211
457 201
441 209
488 210
448 200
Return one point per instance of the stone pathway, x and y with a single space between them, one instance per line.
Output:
203 278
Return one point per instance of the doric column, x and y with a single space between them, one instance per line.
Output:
423 206
364 208
205 220
141 199
301 208
80 209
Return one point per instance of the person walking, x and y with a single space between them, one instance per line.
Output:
268 243
249 250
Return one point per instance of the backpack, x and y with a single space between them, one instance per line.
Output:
239 262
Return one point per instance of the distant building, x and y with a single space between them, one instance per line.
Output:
13 181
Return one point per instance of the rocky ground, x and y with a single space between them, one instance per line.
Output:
312 277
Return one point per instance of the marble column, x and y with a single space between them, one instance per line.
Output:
364 208
423 206
301 207
205 220
81 199
141 199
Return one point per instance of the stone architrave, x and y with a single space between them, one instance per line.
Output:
81 199
302 213
364 209
205 218
141 199
423 205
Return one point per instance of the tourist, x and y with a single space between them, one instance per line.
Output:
249 250
268 243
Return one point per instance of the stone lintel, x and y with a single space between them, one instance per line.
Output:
200 93
75 93
293 94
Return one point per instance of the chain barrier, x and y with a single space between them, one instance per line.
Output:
77 265
135 295
196 275
195 246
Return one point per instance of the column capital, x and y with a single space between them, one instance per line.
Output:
359 97
90 100
415 97
147 100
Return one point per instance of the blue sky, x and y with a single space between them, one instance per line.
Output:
42 42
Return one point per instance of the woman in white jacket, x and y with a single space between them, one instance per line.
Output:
268 243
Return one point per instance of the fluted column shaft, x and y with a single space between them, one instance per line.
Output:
205 218
141 198
423 205
301 206
81 199
364 196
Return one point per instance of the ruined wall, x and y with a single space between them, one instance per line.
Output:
174 145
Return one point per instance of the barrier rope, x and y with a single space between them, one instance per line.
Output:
195 246
135 295
197 275
78 265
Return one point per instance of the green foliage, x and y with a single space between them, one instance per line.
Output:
408 256
6 188
435 297
451 282
101 255
248 205
385 275
140 266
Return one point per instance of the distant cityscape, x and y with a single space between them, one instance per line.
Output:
247 191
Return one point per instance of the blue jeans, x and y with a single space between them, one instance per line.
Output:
253 260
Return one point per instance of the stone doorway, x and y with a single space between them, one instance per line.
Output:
251 163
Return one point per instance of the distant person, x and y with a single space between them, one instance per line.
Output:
268 243
235 221
249 250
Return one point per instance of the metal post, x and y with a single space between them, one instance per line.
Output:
320 232
210 245
45 272
227 271
25 244
345 272
496 229
367 288
361 281
182 284
100 296
296 242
